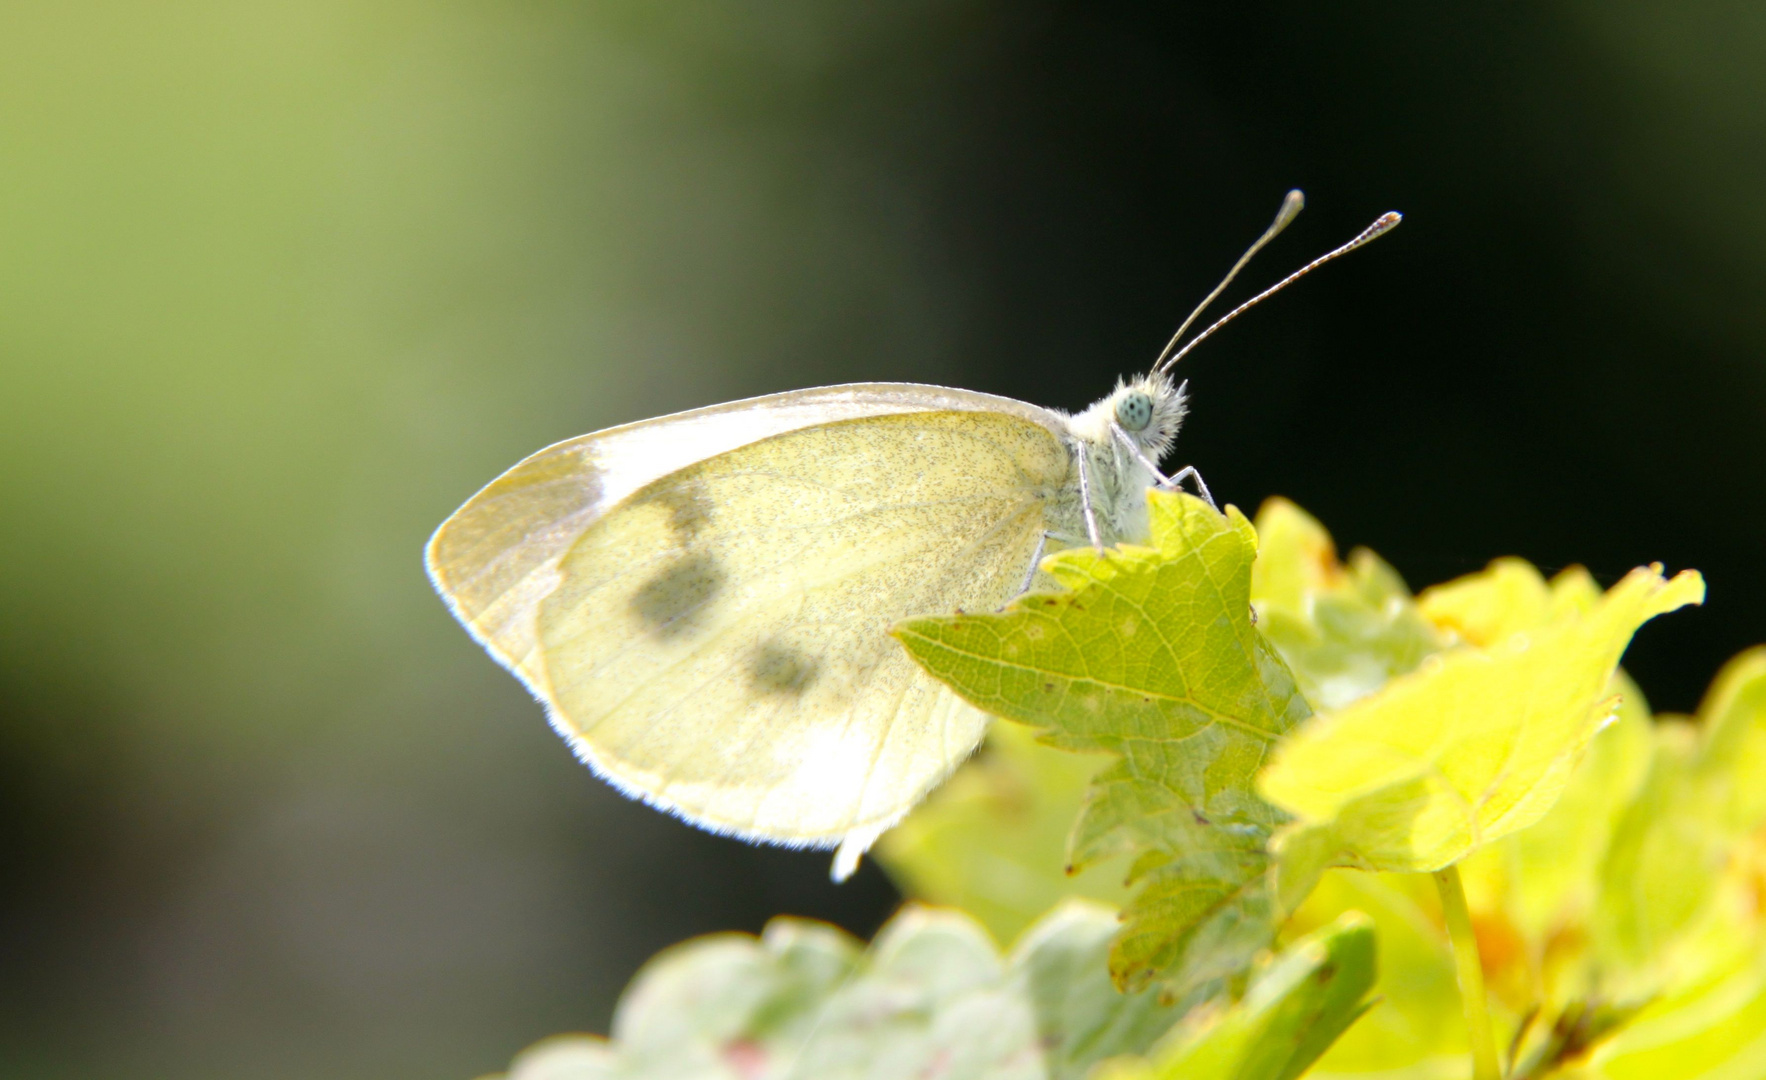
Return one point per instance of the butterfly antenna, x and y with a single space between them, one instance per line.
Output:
1292 203
1385 223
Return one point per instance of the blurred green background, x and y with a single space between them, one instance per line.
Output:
283 283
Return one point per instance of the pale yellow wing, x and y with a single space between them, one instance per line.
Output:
715 640
719 644
496 557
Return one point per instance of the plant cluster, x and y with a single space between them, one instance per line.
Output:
1257 813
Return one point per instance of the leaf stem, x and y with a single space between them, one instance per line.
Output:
1471 974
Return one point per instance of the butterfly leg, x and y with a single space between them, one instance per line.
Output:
1177 477
1171 482
1091 518
1042 543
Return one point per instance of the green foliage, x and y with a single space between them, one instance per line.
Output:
1702 796
931 996
1621 935
1252 750
993 841
1150 655
1345 630
1414 1029
1292 1012
1475 745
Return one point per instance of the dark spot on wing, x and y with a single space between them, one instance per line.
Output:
673 602
689 511
776 668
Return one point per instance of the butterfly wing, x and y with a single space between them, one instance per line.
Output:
708 623
496 557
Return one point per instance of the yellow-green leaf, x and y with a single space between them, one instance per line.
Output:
1149 655
1714 1030
1549 874
1705 792
1060 966
1344 630
1624 927
1416 1027
1509 596
1474 745
1292 1012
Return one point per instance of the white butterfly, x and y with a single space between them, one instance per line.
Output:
702 601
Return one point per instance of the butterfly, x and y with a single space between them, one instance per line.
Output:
703 601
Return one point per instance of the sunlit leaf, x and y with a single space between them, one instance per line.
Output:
1474 745
1533 892
1715 1030
1150 655
1416 1025
1705 792
1482 609
1292 1012
1733 763
1624 927
1548 875
993 840
931 996
1679 926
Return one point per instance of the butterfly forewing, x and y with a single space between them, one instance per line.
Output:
496 557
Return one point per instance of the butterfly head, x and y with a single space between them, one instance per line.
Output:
1149 409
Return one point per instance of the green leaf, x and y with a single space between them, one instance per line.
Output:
1150 656
1714 1030
993 840
931 996
1416 1026
1625 925
1294 1010
1474 745
1344 630
1508 597
1668 976
1733 764
1081 1018
707 1007
1545 878
1705 792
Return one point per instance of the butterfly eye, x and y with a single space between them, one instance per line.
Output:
1135 411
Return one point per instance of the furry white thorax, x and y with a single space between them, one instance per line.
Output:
1119 481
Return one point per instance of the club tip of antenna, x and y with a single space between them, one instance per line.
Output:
1292 203
1385 223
